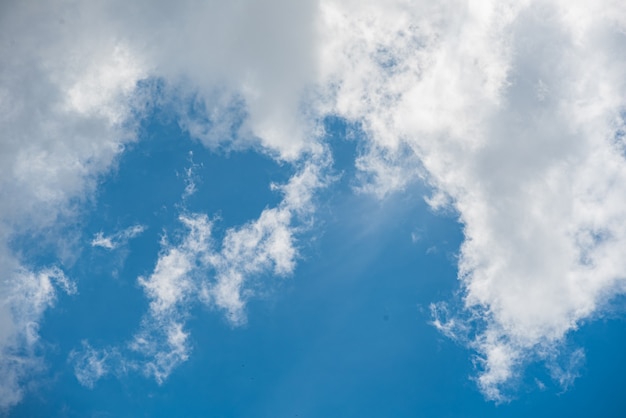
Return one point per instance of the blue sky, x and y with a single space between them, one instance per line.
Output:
348 334
335 209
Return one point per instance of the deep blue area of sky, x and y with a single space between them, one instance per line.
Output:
347 335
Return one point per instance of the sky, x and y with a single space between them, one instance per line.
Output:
327 208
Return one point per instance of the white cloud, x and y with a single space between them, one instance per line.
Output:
170 283
171 289
267 244
90 365
161 341
259 55
513 110
221 276
264 244
111 242
509 110
68 99
64 100
163 348
198 270
191 178
26 296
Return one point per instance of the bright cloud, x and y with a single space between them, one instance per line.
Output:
198 270
26 296
511 111
64 98
90 365
267 244
119 238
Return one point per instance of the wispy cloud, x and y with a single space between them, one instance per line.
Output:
191 178
267 244
90 365
26 296
112 242
199 270
171 289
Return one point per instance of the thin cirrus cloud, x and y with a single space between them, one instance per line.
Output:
509 110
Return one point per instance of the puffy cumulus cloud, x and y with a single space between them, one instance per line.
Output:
514 112
259 55
63 101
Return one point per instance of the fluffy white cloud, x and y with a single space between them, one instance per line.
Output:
63 101
513 109
259 54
